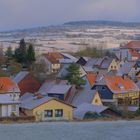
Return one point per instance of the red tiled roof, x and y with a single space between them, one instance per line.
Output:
54 57
117 84
132 45
91 78
29 84
7 85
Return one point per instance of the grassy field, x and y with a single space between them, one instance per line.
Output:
116 130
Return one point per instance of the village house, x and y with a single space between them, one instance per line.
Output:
67 59
118 88
59 89
137 76
88 100
106 64
45 108
82 61
50 61
130 51
130 69
85 94
26 82
9 97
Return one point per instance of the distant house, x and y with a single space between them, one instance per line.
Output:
9 97
45 108
50 61
131 69
26 82
105 63
130 51
62 92
82 61
59 89
88 100
67 59
119 88
86 95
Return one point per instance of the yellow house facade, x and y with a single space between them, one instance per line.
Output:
96 99
133 96
114 65
52 109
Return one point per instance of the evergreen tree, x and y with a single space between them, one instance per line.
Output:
73 76
9 52
30 54
21 52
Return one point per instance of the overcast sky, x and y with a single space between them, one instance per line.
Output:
15 14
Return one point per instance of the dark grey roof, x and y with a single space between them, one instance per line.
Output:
138 84
59 89
84 95
106 63
20 76
29 101
126 68
82 109
68 56
91 62
102 63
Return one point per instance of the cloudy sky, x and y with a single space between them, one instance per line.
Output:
15 14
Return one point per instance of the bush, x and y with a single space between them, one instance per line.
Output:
92 115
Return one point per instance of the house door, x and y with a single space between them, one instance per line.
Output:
5 111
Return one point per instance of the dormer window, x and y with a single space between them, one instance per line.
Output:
1 86
120 86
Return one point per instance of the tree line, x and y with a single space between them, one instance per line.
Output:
24 54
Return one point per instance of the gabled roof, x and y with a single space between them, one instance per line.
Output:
59 89
68 56
53 57
106 63
102 63
88 69
31 101
48 84
112 73
66 61
132 45
91 62
84 95
82 109
8 85
20 76
91 78
126 68
117 84
138 84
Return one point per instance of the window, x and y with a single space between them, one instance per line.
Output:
103 88
96 100
48 113
58 112
13 108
